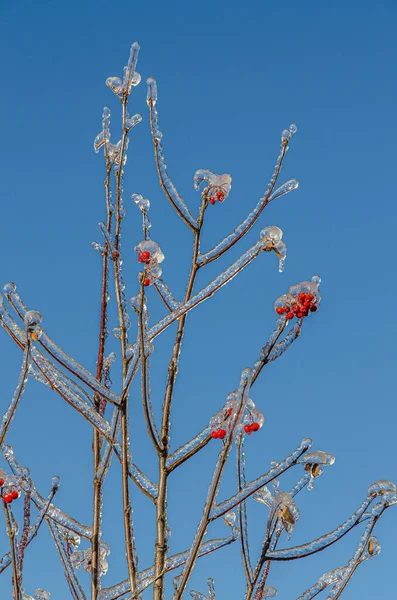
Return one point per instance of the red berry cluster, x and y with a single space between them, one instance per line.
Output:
144 257
306 303
251 428
219 434
219 195
8 498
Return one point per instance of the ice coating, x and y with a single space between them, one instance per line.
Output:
41 594
245 226
67 361
297 294
151 97
287 187
381 486
284 509
272 236
131 122
103 138
166 294
190 446
319 457
142 203
168 186
218 187
253 486
130 76
74 584
325 540
18 392
211 592
324 581
264 496
53 512
83 558
146 577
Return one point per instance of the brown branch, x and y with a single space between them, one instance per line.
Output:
256 217
244 547
11 535
161 180
97 443
19 392
161 516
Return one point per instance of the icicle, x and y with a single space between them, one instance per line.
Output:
211 589
253 486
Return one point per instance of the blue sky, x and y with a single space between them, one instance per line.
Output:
230 78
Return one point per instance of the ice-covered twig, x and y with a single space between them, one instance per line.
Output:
52 511
146 577
222 279
235 421
246 225
166 295
242 509
11 535
330 538
70 574
189 449
10 412
166 184
224 507
56 352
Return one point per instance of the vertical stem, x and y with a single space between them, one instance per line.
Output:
95 572
161 506
11 535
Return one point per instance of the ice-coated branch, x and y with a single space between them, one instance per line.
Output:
166 295
147 577
52 511
57 353
11 536
220 281
10 412
166 184
328 539
227 505
246 225
70 574
189 449
242 510
241 399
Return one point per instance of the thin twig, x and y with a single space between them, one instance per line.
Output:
11 535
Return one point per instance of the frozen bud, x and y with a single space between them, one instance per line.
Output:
218 187
381 487
151 97
33 318
318 457
142 203
230 518
10 288
56 482
130 122
40 594
116 85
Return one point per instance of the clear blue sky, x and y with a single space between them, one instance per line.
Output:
230 79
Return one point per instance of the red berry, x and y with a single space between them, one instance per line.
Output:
7 498
214 434
296 308
1 482
222 433
220 196
280 310
309 297
255 426
290 315
307 304
301 297
230 411
144 257
211 200
14 495
146 281
300 314
247 428
314 308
